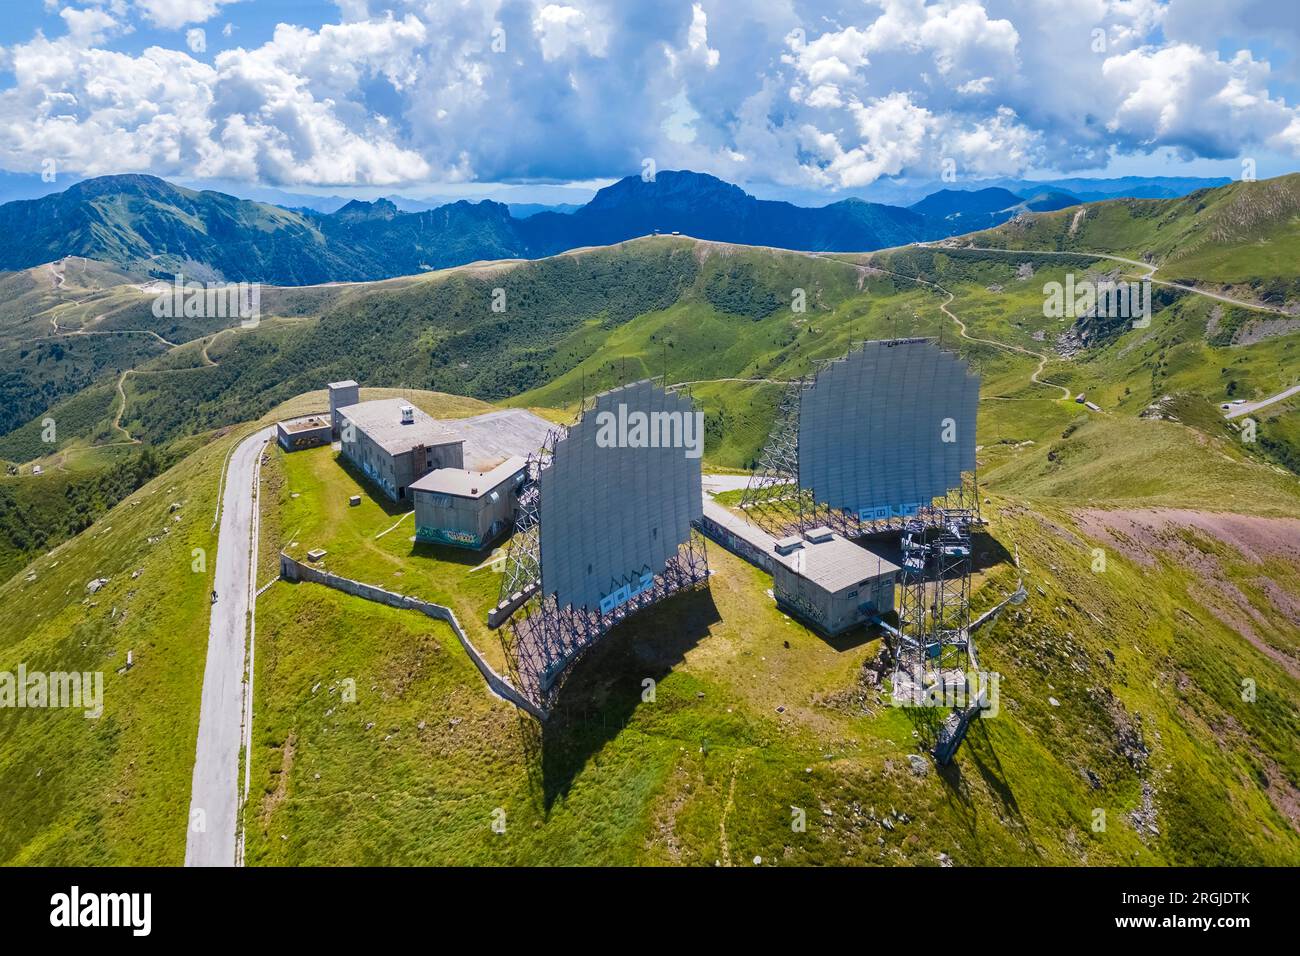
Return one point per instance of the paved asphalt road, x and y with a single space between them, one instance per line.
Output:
1238 410
214 792
715 483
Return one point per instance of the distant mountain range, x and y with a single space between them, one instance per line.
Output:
152 227
973 210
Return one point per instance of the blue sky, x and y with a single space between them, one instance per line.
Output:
788 97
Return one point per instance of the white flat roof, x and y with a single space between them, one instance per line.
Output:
493 437
468 484
381 420
836 563
348 384
305 423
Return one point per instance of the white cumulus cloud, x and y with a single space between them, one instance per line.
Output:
173 14
829 93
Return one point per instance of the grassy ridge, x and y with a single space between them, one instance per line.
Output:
115 790
419 767
1244 235
1144 652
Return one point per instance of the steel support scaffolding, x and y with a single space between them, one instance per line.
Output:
544 641
773 499
933 650
934 655
522 575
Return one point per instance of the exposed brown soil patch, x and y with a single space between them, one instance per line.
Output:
1257 538
1145 535
272 800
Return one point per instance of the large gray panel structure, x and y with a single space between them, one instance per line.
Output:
613 513
888 428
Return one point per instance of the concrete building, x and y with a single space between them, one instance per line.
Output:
342 394
393 444
467 509
830 582
493 437
299 433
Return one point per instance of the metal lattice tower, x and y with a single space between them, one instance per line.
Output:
773 490
522 575
934 648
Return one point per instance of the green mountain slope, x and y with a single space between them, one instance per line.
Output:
1145 660
701 312
151 227
1244 235
1120 691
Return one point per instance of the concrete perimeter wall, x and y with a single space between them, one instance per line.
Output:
292 570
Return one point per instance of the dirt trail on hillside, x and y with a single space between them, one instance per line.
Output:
1143 535
1043 357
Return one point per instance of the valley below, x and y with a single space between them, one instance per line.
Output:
1150 681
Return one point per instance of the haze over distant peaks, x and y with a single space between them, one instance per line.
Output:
151 226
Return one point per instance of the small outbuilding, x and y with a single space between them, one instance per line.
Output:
299 433
467 509
830 582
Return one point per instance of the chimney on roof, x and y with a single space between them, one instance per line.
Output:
408 415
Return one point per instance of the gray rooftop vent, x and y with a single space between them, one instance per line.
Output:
818 535
787 545
408 415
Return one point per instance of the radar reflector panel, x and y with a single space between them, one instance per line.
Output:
888 428
618 497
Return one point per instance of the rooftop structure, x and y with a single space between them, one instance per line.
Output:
462 483
387 424
492 437
817 576
304 424
342 394
834 563
832 583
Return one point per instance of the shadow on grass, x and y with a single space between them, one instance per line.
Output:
391 508
846 640
449 554
987 551
604 688
979 747
926 721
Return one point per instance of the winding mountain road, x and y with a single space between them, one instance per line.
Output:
1238 410
1149 272
212 838
1043 357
